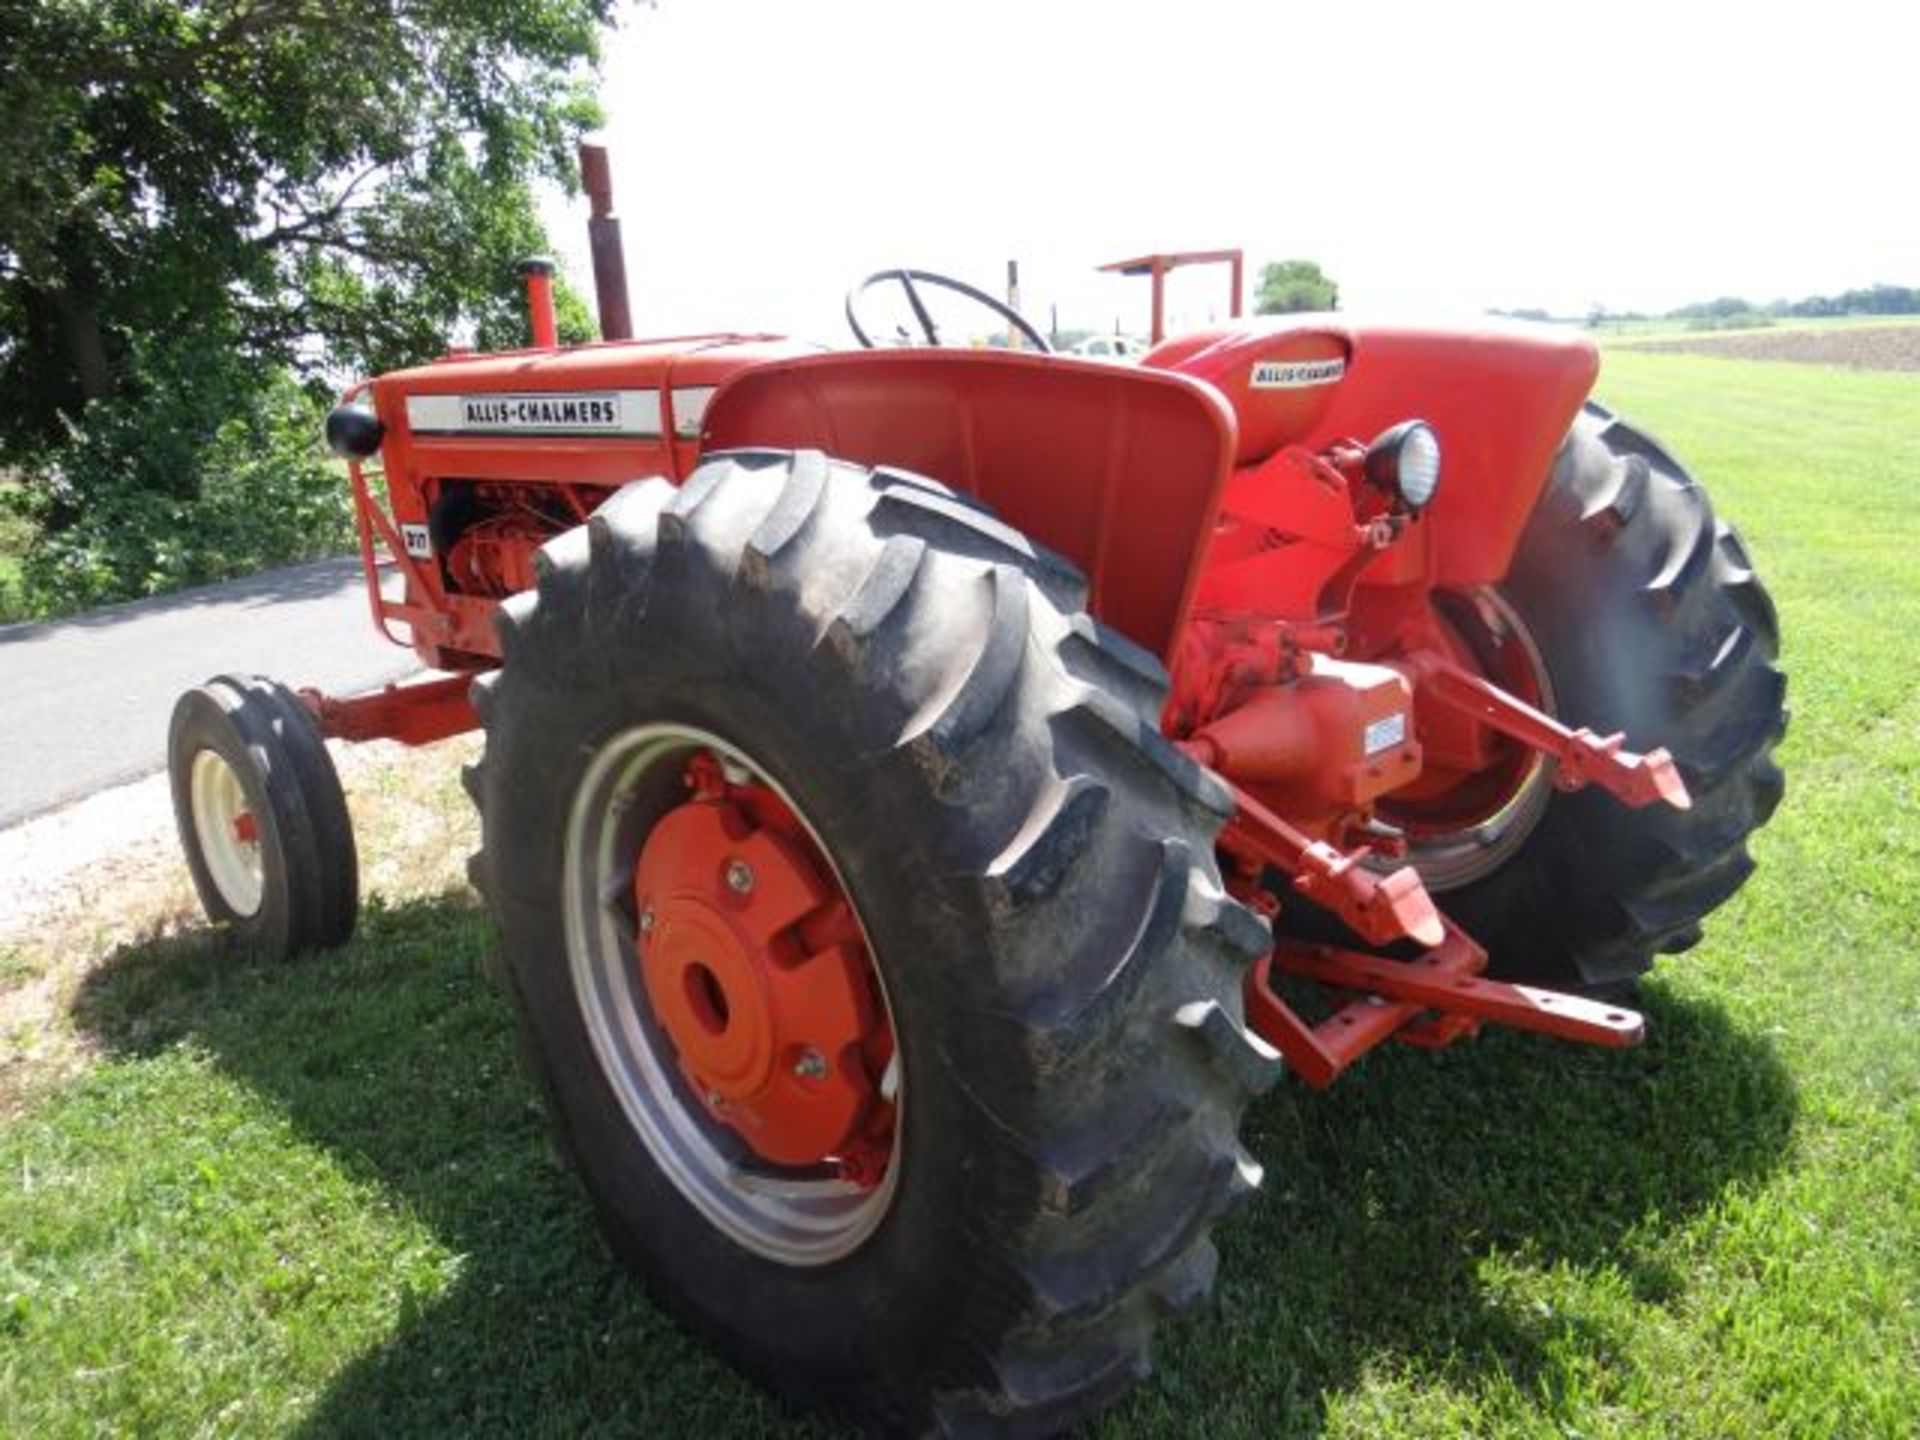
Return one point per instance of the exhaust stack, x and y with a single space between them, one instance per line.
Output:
603 239
537 271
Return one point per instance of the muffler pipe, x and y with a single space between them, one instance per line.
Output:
603 239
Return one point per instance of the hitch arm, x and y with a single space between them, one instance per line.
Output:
1440 982
1584 757
1432 1000
417 713
1380 908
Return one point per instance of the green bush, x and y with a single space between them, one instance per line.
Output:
16 535
206 470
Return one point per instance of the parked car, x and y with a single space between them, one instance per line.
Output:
1123 349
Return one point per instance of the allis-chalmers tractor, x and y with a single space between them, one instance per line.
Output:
928 791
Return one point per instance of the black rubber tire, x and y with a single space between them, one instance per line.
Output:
311 872
1036 870
1650 620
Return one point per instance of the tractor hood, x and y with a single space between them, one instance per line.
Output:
646 393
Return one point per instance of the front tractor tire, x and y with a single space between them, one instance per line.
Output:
262 818
729 718
1647 618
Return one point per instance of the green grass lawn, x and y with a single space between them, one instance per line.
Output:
320 1198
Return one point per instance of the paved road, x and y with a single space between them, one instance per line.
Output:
84 702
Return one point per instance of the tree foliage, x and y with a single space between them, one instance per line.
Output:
1872 300
208 472
203 196
1288 286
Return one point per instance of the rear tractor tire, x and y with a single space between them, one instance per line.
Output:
262 818
1646 616
867 940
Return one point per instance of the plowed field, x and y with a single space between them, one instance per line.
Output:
1891 347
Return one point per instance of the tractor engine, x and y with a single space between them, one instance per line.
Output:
485 532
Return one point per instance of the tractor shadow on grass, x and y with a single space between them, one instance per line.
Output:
1403 1216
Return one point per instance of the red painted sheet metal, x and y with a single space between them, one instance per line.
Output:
1279 380
449 630
1500 396
1501 399
1120 470
610 365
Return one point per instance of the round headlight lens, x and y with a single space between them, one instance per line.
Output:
353 432
1419 466
1405 462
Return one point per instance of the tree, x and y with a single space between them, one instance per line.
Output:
206 195
1287 286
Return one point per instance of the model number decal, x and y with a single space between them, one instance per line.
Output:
1295 374
1387 733
419 544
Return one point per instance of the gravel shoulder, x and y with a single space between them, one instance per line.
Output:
79 883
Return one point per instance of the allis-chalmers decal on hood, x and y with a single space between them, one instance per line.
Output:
1296 374
603 412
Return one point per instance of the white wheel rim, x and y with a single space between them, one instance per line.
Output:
788 1216
228 833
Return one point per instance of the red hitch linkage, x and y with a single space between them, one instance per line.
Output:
1584 757
1431 1000
418 713
1380 909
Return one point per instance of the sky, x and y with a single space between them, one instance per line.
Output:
1436 159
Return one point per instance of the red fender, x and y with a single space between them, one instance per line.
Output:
1501 397
1118 469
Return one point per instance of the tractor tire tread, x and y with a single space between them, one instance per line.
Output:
1109 661
339 873
312 896
965 525
1654 623
1049 795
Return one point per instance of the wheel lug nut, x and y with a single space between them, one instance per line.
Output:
811 1065
646 922
739 877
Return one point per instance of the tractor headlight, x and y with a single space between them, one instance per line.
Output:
1405 463
353 432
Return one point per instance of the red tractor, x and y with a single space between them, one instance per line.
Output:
928 791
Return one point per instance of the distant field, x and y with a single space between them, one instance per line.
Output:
1632 332
269 1200
1854 347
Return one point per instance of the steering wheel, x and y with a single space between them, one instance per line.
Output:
908 280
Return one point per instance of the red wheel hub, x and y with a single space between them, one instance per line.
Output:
759 974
